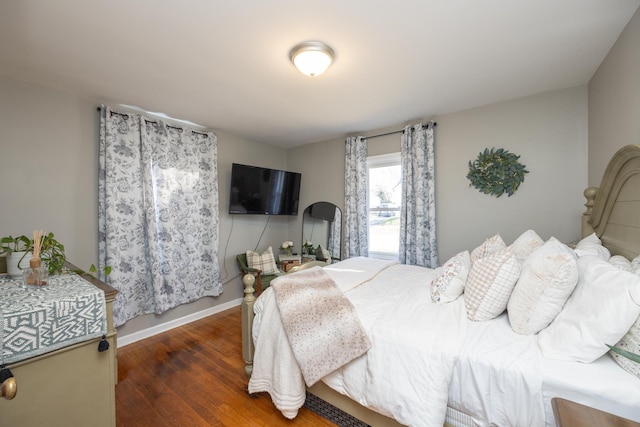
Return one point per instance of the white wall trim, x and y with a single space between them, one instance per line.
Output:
155 330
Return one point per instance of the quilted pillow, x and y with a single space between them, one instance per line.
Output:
600 311
451 278
525 244
547 278
489 246
265 261
592 245
489 285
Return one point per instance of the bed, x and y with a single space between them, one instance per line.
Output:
489 338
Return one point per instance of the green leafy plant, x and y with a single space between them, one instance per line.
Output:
496 172
52 254
10 244
624 353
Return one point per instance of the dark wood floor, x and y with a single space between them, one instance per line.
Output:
194 376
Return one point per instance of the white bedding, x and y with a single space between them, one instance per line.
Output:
425 356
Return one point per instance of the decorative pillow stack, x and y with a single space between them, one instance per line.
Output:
601 310
525 244
451 278
592 245
489 284
547 279
264 262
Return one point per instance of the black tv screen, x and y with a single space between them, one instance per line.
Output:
262 191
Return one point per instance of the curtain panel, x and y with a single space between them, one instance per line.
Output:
356 204
418 213
158 213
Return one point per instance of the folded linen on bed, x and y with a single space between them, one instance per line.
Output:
275 368
322 326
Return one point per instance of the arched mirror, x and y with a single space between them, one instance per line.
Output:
322 225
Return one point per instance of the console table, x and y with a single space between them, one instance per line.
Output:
71 386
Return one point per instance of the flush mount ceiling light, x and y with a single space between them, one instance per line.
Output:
312 58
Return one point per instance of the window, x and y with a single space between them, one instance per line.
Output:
385 195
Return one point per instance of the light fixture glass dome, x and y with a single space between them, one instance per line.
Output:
312 58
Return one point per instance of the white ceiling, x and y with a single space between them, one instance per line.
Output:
224 64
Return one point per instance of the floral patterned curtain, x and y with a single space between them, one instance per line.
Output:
158 213
356 205
418 212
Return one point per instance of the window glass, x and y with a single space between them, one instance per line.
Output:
385 192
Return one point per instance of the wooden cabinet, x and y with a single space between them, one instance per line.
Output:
72 386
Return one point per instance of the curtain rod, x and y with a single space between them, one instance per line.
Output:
126 117
391 133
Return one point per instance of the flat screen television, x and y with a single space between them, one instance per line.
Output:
262 191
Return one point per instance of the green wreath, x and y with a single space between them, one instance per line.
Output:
496 172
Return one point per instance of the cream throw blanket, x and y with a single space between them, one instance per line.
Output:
320 332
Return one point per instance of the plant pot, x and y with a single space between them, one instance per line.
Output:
15 270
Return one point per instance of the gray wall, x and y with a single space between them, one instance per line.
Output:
49 168
548 130
57 132
614 101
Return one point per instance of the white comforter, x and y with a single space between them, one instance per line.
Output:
407 372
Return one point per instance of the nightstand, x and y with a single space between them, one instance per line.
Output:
572 414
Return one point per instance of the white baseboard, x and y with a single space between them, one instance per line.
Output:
155 330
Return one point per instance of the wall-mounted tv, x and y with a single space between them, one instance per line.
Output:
262 191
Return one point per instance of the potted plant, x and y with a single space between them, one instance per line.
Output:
52 254
15 249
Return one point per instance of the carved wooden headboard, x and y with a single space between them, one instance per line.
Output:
613 209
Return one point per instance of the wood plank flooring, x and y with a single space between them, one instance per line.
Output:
194 376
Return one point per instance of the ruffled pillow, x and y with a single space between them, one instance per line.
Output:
489 246
592 245
264 262
635 265
621 262
547 278
489 285
525 244
451 278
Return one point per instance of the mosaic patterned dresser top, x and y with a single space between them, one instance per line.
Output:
39 319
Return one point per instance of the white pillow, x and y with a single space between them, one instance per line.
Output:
547 278
489 285
489 246
630 342
600 311
265 261
621 262
451 278
592 245
524 245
